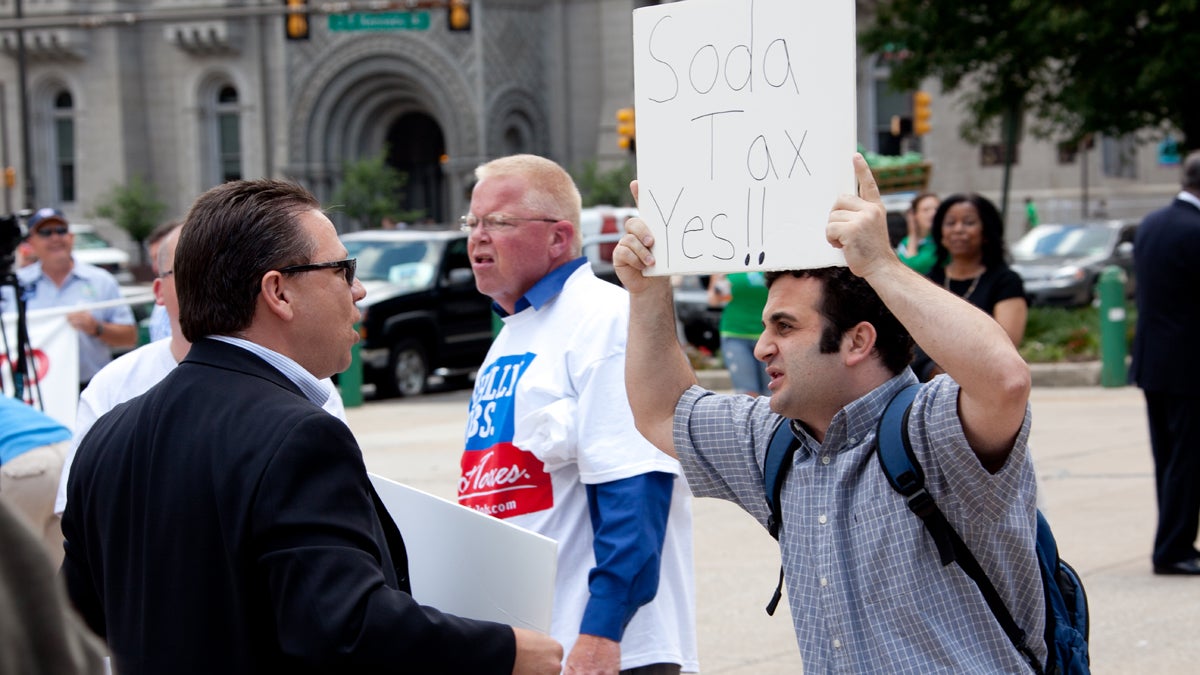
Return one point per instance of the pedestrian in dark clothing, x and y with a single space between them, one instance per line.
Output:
1166 366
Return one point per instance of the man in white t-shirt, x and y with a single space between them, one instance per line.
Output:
550 441
134 373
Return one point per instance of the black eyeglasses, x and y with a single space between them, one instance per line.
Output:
47 232
347 266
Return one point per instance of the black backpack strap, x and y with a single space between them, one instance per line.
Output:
776 465
900 466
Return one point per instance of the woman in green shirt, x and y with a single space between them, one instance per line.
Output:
918 250
743 295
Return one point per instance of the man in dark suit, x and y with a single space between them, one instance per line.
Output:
223 522
1166 365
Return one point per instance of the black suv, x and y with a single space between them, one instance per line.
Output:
422 315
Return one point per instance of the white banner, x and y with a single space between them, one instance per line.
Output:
52 364
54 356
745 130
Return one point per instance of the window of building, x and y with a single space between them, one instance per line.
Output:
1118 156
228 135
884 103
63 116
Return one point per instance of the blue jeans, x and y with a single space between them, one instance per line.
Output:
748 374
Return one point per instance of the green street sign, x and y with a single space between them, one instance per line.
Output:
379 21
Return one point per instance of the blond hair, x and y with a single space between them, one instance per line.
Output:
550 190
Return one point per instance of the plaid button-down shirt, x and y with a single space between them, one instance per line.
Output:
867 590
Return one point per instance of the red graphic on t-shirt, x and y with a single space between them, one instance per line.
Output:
504 481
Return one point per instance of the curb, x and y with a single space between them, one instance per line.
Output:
1082 374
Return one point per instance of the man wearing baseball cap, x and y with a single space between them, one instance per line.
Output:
58 280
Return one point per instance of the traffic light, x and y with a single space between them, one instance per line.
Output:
10 177
921 112
626 129
458 16
295 24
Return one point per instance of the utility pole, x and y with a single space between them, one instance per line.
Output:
23 98
4 149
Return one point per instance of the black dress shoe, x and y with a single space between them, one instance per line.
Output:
1184 567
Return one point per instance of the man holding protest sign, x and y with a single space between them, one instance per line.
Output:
867 590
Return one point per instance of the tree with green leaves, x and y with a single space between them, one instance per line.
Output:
135 208
371 190
1077 68
605 187
1129 66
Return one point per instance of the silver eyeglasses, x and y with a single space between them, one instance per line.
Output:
495 222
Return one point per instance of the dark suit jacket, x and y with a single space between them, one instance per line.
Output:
222 523
1166 253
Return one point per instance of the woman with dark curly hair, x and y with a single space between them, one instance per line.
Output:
972 263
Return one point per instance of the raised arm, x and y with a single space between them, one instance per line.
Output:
967 343
657 371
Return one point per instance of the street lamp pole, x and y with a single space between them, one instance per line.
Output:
23 97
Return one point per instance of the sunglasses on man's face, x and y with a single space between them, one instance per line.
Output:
47 232
348 266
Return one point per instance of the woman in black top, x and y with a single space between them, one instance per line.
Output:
971 263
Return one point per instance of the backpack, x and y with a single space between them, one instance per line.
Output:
1067 619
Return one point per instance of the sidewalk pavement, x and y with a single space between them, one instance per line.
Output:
1092 457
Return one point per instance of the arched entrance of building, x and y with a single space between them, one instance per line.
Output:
375 91
416 147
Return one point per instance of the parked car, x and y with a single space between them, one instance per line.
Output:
422 315
1060 264
600 228
93 249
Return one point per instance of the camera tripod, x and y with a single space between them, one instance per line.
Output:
18 355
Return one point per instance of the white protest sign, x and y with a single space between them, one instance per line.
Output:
52 364
55 354
745 130
469 564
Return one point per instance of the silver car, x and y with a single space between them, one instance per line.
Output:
1060 264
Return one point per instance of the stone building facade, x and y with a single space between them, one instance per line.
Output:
190 103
